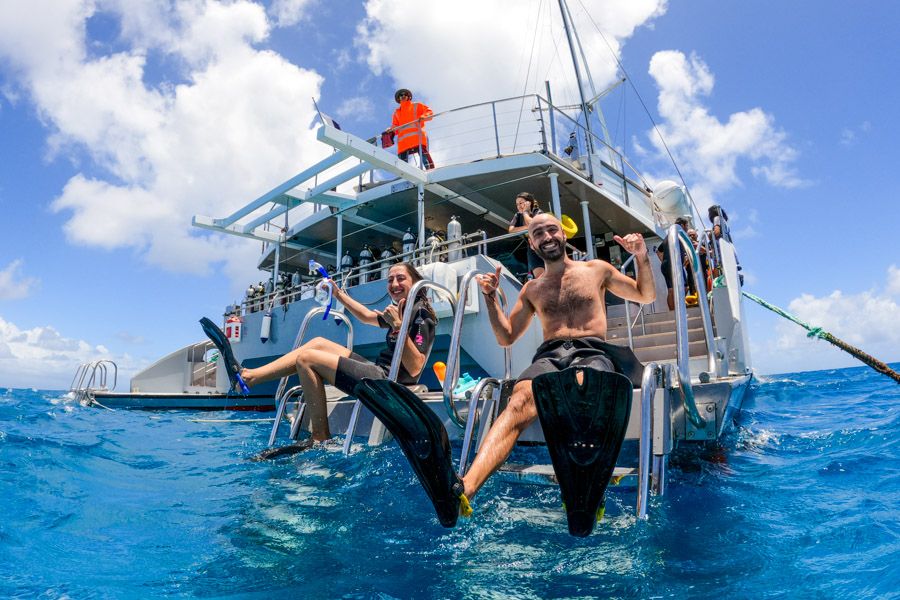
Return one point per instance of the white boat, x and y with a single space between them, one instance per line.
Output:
363 197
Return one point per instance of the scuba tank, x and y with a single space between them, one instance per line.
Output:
454 235
432 242
346 266
295 280
409 242
365 259
386 265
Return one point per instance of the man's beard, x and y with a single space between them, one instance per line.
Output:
557 252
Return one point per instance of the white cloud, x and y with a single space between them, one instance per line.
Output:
42 357
893 285
359 108
289 12
488 61
450 59
708 149
869 320
850 135
13 286
206 140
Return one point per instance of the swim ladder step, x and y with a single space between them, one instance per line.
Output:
543 474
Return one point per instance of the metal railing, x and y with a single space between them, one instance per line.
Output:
452 374
282 396
91 377
628 323
650 381
347 279
675 236
398 349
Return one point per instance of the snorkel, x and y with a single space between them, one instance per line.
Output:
328 300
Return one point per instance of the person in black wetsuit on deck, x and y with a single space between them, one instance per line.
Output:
526 209
569 301
321 361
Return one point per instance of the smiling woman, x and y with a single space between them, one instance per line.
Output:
321 361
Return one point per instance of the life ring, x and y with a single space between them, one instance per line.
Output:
569 227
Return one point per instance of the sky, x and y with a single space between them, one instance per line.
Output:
121 119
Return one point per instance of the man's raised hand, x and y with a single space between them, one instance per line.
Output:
633 244
489 282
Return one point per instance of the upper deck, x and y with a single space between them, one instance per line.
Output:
485 154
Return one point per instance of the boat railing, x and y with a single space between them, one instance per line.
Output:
528 123
92 377
675 236
398 349
282 396
205 373
629 324
452 373
438 251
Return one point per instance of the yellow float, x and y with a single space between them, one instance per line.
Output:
568 226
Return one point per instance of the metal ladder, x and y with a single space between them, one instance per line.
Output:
654 443
91 377
378 433
283 396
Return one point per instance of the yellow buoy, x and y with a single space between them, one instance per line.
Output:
568 225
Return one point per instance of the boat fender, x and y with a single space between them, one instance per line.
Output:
266 327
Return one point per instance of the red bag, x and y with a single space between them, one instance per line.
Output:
387 139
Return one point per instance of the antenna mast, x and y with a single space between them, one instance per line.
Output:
567 24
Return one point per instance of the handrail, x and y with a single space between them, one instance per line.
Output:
628 323
398 349
281 398
100 366
472 418
452 373
649 383
681 333
700 281
407 317
78 371
91 377
301 332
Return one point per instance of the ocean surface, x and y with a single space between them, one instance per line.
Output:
802 499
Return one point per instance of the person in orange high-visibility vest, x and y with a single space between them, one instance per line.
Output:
409 126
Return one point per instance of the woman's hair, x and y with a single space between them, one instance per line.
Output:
532 203
416 277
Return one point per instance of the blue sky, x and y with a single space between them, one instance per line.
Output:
121 119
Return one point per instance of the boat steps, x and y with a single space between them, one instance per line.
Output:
544 474
649 340
668 352
619 330
615 316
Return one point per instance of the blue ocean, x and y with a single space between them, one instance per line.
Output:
801 499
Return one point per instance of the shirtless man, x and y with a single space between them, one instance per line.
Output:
569 301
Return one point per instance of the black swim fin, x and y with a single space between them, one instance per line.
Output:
584 426
226 356
424 441
280 451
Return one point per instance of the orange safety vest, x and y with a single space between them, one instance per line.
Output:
408 123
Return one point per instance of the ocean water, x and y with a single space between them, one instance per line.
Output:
802 499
